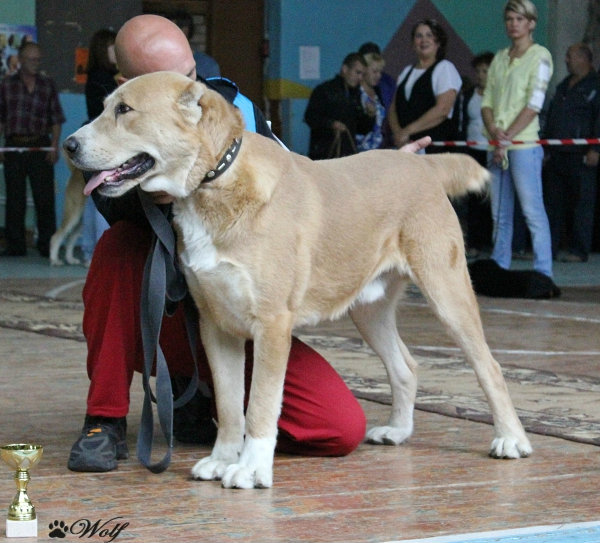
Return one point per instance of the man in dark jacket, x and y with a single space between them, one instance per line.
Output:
570 174
335 114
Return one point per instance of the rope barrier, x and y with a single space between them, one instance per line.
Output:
25 149
566 141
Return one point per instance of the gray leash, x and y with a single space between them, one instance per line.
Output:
163 287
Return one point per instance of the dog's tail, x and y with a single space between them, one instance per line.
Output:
459 173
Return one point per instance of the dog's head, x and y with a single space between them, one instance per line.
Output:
160 131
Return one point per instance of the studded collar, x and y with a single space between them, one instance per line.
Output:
226 161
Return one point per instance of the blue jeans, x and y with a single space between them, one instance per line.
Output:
523 178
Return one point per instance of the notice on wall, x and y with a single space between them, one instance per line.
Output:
310 62
11 38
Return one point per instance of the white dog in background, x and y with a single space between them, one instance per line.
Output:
71 225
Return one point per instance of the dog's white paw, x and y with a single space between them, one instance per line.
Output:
238 476
388 435
213 467
56 262
510 447
72 261
255 466
209 469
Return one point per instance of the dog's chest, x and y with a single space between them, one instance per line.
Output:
218 284
199 253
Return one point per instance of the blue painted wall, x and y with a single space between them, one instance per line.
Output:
20 12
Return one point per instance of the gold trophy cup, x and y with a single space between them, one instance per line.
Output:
21 521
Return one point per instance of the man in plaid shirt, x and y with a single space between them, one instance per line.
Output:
30 116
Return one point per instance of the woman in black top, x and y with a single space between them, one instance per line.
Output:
426 91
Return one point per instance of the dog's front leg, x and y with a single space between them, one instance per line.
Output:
271 352
226 359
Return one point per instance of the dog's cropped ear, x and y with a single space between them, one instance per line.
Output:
189 101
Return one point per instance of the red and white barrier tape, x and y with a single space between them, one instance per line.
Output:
25 149
566 141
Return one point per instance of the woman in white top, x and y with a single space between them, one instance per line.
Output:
426 91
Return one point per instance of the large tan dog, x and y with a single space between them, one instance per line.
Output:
278 241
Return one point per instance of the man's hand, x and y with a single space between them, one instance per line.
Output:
52 157
415 146
591 158
338 126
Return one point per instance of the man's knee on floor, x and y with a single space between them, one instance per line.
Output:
350 433
338 435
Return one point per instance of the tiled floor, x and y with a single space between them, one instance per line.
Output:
438 484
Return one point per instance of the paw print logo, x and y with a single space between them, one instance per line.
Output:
58 529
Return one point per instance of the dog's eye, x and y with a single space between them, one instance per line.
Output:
121 109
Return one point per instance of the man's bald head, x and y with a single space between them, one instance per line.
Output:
150 43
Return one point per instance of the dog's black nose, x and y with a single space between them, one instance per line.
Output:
70 145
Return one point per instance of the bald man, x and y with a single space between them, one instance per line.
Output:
111 321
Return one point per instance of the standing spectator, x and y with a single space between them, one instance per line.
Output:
570 173
371 99
513 97
386 85
335 113
30 116
426 91
478 218
101 72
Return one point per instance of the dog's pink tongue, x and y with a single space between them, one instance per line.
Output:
96 180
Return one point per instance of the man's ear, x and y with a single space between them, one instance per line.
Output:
120 79
189 101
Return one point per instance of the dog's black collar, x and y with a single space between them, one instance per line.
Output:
226 161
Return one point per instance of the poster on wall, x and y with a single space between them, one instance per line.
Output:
11 38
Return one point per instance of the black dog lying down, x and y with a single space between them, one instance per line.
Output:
489 279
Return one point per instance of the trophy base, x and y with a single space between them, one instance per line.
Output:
21 528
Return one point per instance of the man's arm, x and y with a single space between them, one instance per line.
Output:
316 115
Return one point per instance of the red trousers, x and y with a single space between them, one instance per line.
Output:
319 416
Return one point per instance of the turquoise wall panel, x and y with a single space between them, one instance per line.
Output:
20 12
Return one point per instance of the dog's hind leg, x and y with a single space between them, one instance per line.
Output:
70 245
446 284
375 319
226 358
72 214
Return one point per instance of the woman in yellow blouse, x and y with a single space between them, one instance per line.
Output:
513 97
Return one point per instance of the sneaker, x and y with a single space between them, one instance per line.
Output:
192 422
100 445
